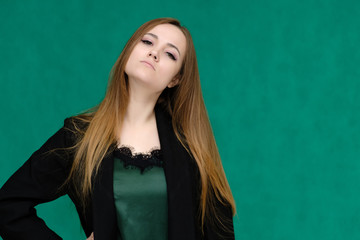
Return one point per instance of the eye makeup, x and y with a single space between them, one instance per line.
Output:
172 56
147 42
169 44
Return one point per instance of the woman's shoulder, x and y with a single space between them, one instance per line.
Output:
74 128
77 124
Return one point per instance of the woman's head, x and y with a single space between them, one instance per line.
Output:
156 59
183 84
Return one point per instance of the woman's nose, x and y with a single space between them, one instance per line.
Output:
154 55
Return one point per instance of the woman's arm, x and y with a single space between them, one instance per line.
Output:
37 181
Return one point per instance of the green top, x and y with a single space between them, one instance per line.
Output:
140 195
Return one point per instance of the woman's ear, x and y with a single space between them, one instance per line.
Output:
174 82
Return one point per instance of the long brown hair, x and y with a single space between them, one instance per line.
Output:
190 121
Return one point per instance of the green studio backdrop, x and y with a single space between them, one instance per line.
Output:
280 81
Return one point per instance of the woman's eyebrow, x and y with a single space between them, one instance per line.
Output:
169 44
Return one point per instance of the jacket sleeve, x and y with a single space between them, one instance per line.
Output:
37 181
214 230
216 227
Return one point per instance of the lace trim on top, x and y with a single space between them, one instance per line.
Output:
143 161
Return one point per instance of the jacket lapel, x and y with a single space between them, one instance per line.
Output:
178 175
104 212
181 220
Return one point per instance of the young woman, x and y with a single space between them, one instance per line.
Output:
143 164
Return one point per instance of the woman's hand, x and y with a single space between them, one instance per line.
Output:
91 236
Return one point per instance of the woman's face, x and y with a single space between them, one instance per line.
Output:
157 58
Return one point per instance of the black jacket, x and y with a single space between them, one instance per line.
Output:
39 179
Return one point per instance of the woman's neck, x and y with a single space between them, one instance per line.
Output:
140 109
139 128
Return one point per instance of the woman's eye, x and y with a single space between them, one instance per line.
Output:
147 42
171 56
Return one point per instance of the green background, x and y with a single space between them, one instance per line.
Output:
280 81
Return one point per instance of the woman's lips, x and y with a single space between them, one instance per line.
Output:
148 64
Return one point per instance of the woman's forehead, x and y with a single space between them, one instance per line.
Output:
170 34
